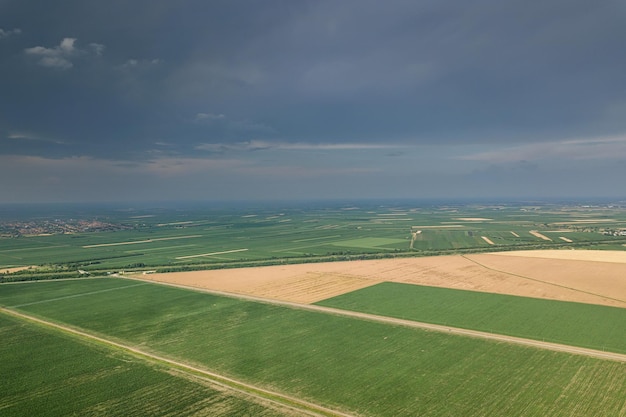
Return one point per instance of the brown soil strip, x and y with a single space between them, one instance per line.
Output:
486 239
539 235
15 269
413 237
613 256
564 239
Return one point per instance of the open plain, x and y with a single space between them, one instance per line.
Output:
425 320
594 277
357 366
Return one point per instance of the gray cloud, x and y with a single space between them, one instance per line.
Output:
136 63
604 148
10 32
257 145
57 57
209 117
443 82
97 48
62 55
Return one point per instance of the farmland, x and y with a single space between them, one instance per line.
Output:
587 325
583 276
126 342
348 364
49 374
109 239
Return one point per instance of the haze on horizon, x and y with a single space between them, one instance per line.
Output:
280 99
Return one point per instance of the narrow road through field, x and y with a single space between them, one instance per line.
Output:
260 394
416 324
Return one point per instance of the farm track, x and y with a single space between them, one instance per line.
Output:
541 281
259 394
557 347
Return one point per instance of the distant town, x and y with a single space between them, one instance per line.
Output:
45 227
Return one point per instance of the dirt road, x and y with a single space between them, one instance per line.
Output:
419 325
261 395
295 404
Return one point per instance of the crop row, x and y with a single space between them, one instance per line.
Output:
48 374
176 239
587 325
366 367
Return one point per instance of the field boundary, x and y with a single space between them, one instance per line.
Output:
240 387
134 242
211 254
557 347
543 282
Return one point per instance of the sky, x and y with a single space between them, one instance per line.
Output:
151 100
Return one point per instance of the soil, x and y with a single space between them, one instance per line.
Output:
539 235
594 277
15 269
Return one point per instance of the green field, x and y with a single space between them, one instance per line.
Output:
372 243
356 365
46 373
212 237
586 325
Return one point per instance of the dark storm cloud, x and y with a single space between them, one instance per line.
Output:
364 97
119 79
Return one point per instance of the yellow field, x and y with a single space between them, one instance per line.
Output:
596 277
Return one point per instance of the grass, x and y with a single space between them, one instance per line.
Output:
367 367
372 243
311 232
21 293
586 325
46 373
